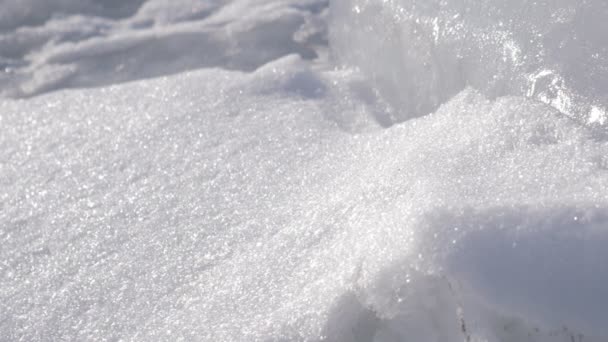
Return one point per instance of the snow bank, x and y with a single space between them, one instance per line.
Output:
421 53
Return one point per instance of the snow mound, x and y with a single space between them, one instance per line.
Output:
71 44
225 206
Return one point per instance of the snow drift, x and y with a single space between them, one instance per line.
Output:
91 43
279 200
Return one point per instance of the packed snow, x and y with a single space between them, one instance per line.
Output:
303 170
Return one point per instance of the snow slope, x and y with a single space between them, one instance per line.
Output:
272 197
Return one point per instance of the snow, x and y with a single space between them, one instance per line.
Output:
254 191
420 53
162 37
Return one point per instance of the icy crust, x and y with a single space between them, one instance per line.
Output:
222 206
421 53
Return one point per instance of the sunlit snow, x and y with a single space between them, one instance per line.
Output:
303 170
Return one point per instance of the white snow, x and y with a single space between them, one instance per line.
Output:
161 37
271 196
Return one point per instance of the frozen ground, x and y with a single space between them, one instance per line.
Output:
430 174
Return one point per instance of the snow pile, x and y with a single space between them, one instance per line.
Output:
278 202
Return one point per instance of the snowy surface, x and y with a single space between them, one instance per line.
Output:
98 46
389 186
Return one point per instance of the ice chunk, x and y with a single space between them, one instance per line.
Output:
421 53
